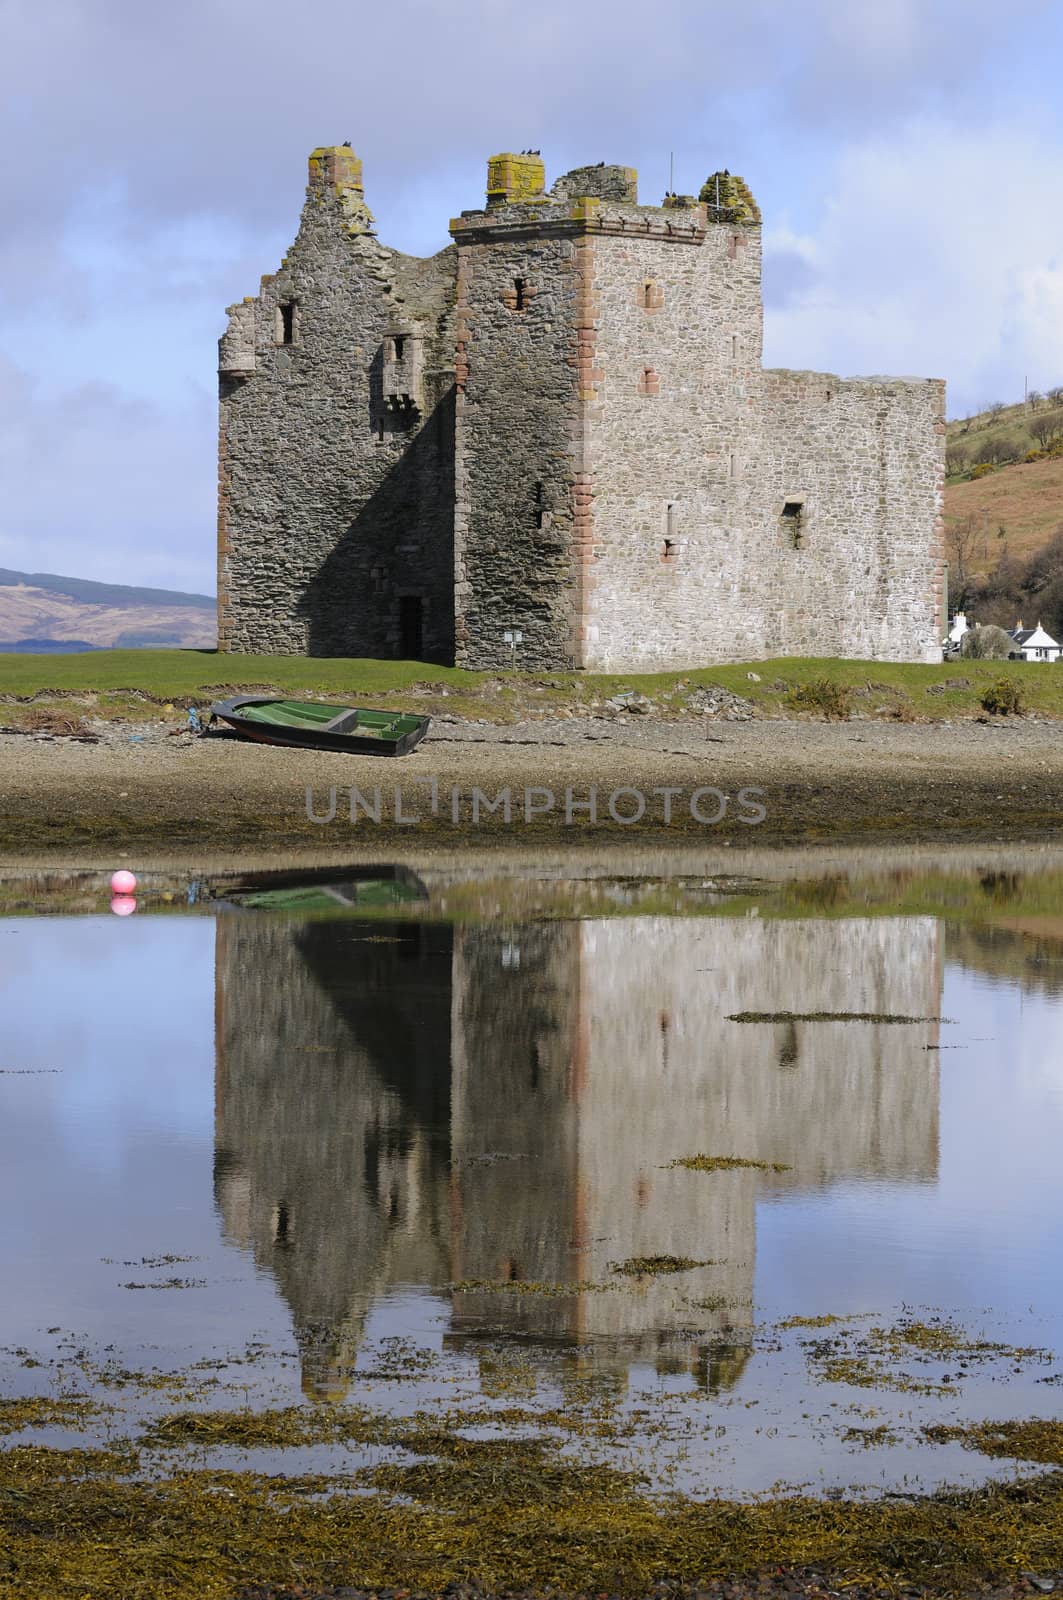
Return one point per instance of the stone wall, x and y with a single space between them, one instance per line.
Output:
518 421
335 481
864 457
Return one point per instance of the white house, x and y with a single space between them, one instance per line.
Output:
957 628
1034 644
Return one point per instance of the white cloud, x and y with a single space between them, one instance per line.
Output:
98 483
939 253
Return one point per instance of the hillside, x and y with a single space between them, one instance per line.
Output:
52 611
1018 505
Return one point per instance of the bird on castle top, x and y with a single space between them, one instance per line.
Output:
346 144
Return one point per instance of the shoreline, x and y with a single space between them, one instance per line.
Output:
150 786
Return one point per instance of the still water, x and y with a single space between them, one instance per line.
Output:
374 1140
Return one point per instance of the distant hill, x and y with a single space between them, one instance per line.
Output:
105 594
47 647
46 613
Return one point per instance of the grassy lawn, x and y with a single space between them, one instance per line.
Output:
118 682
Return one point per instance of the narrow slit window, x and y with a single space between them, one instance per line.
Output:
793 522
519 290
671 520
734 347
398 346
647 294
730 463
287 328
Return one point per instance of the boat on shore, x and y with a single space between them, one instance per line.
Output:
316 725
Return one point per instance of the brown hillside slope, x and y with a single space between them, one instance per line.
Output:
29 613
1026 500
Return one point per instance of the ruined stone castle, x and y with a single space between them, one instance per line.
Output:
553 445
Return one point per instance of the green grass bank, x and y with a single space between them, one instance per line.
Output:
123 679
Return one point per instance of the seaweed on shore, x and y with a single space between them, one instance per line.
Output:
500 1516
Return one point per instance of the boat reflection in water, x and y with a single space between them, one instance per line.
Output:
434 1104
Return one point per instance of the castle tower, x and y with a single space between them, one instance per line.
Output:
605 351
336 448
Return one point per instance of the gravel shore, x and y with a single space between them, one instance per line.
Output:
153 784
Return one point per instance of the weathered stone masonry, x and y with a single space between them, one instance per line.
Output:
560 428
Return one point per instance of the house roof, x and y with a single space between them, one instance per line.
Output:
1034 636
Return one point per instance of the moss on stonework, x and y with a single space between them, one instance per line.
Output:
729 199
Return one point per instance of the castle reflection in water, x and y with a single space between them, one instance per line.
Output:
421 1103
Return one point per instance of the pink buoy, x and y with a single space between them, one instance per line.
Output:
123 904
123 881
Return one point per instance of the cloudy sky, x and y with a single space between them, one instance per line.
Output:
907 154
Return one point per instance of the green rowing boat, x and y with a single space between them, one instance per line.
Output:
314 725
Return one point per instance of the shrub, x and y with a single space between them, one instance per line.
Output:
823 695
986 644
46 719
1003 698
999 448
982 469
898 711
1035 455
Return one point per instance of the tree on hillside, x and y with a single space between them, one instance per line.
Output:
1032 589
961 538
1049 425
998 449
957 459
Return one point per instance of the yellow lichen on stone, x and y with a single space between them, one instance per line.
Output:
515 179
729 199
335 170
335 166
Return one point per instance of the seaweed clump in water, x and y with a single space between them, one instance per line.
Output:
726 1164
653 1266
828 1016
